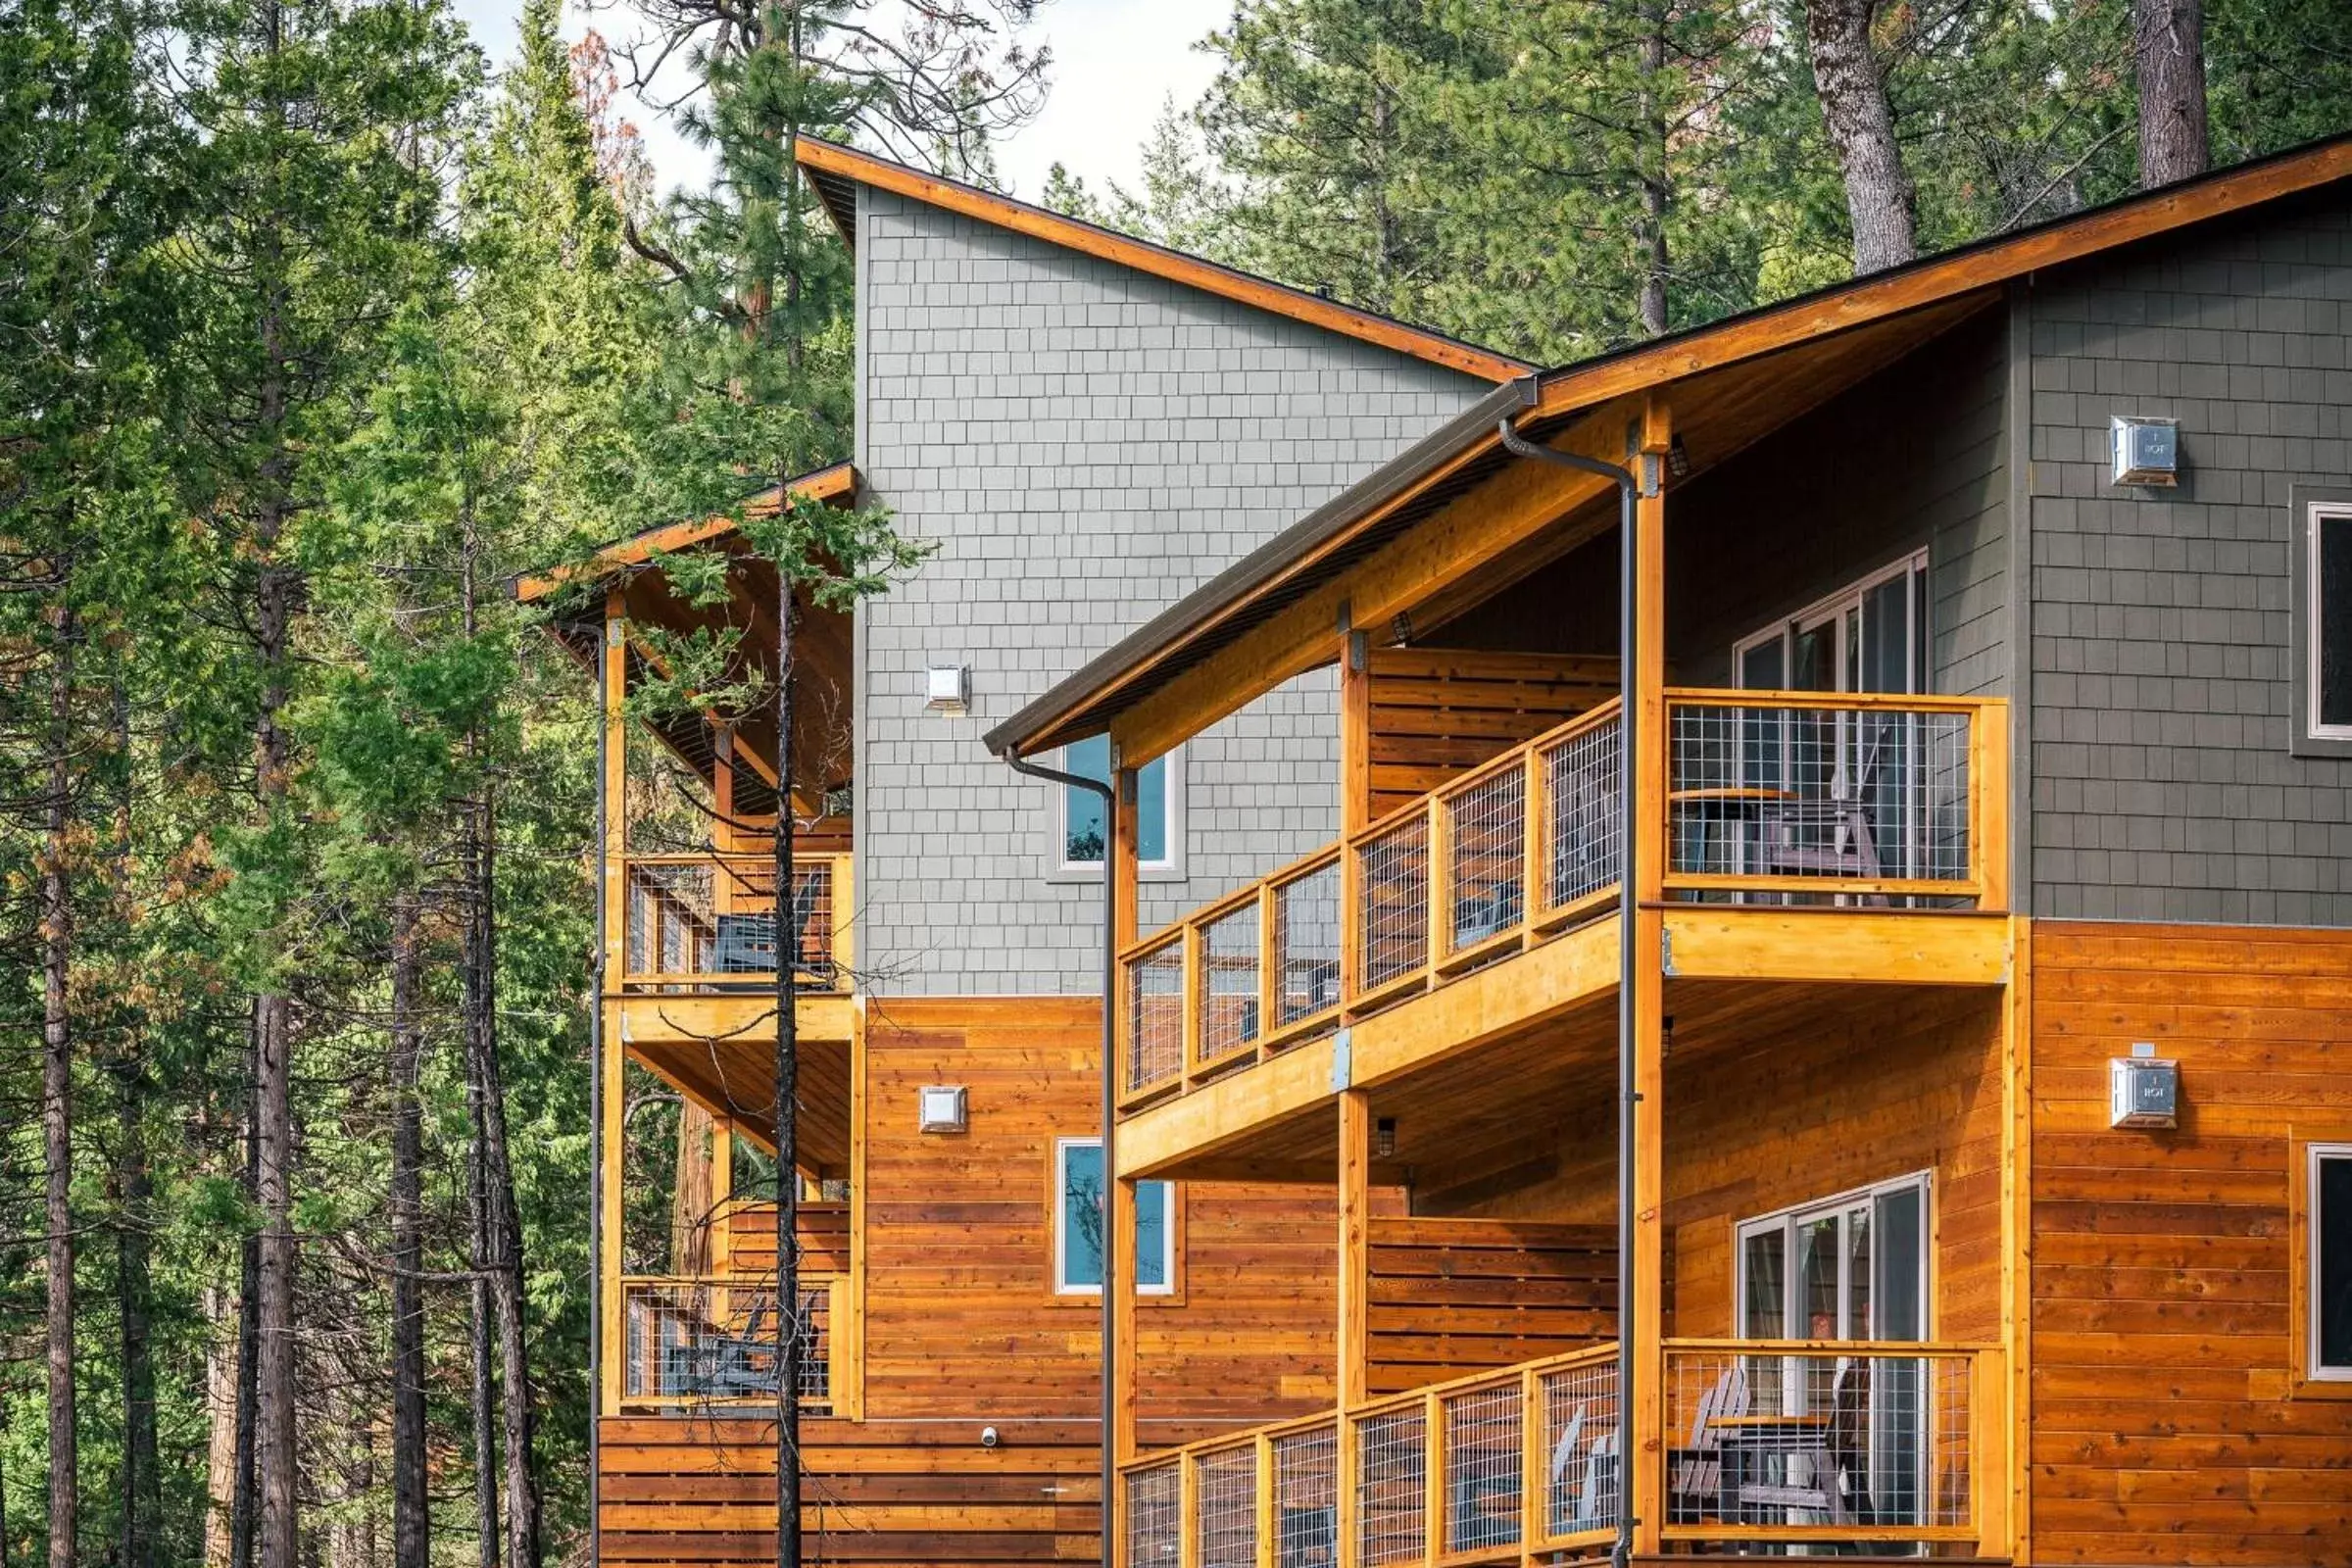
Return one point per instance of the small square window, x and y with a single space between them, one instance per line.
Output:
1082 1203
2321 663
2328 1218
1080 839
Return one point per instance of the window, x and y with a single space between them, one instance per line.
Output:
1081 1203
1870 637
2327 1244
1079 838
1848 1267
2324 621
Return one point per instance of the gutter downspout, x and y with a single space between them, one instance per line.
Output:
1111 1251
1629 748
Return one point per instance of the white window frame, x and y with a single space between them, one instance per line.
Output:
2314 1369
1063 1285
1833 607
1169 869
1788 1220
2314 629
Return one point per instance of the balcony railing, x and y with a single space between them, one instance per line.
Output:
713 1341
1489 1466
1772 798
709 922
1762 1442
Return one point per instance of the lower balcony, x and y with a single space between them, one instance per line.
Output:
1761 1447
714 1343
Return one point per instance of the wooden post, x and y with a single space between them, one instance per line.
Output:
1355 1247
2017 1245
848 1383
1645 1399
1440 883
1268 1518
1126 862
1355 734
614 871
1118 1278
1433 1478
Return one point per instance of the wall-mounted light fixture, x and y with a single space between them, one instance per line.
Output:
1384 1137
947 689
943 1108
2145 451
2143 1090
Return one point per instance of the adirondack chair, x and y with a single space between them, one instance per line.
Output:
1830 836
746 942
1695 1483
1589 1507
1831 1477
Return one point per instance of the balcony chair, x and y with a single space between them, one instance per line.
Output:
739 1366
1828 836
1694 1483
1828 1476
1307 1538
746 943
1593 1503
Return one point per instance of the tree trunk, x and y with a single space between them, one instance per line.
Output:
2168 47
276 594
691 1200
220 1383
412 1508
785 1109
142 1477
1654 190
244 1512
56 1090
504 1221
485 1391
1861 124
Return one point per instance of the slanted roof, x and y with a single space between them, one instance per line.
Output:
836 482
836 171
1837 334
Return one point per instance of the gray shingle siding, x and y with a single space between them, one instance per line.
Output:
1916 457
1085 444
2162 783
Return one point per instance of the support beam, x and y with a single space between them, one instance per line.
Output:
1354 1340
1356 735
609 1152
1118 1275
1125 878
1646 1401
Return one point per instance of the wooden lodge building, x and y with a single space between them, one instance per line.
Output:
1979 920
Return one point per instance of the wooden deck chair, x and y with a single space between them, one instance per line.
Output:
1698 1474
1563 1455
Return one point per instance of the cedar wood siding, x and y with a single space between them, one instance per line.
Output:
2167 1426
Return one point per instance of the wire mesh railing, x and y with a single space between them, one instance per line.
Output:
1821 1441
1154 1015
1878 1447
1770 798
717 1341
1441 1475
1782 799
709 924
1225 1509
1230 998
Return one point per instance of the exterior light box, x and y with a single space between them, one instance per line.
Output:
943 1108
947 689
2146 451
2143 1090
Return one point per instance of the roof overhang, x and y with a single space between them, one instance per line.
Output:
1895 310
835 172
835 483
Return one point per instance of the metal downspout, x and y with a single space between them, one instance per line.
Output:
1627 1094
1111 1251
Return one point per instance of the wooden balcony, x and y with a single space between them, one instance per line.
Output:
1838 822
706 924
1889 1446
711 1343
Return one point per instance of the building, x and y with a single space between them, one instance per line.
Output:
1976 915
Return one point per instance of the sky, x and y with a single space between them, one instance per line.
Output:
1114 63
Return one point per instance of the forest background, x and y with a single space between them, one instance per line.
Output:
318 326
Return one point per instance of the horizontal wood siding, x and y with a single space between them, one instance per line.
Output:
1440 711
2165 1424
689 1490
824 1232
1453 1297
961 1318
1873 1084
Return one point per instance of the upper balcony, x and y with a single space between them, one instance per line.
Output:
1808 837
